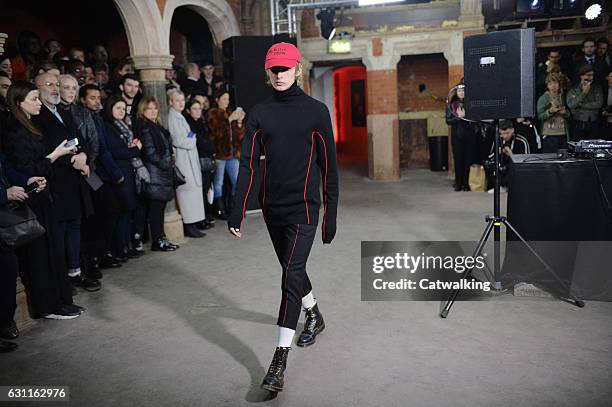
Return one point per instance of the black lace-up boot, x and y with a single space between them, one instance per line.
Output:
275 379
313 326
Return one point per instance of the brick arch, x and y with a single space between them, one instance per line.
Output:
218 14
147 23
142 21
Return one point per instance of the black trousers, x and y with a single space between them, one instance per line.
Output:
292 244
8 287
463 154
98 229
207 178
156 219
140 216
550 144
584 130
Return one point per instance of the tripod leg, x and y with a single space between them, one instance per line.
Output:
466 274
576 301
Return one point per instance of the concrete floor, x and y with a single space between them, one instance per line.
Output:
196 327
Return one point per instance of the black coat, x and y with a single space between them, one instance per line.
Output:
9 177
27 153
42 265
156 155
122 155
191 87
69 189
206 148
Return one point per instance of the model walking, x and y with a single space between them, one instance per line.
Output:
294 132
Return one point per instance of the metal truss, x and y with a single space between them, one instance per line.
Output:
282 12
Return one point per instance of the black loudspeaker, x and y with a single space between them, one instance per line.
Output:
243 68
499 71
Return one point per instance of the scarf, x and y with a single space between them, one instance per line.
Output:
126 134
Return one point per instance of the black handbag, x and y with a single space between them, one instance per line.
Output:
207 164
179 178
18 226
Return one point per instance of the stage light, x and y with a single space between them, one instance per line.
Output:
593 9
375 2
328 30
532 8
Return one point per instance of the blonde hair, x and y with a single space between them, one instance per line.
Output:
172 93
142 106
299 73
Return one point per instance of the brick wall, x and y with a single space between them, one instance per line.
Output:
432 70
308 25
382 92
235 5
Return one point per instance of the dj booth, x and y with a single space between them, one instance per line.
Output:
562 207
560 199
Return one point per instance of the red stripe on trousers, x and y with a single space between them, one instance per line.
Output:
286 269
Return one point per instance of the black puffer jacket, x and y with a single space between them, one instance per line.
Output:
156 155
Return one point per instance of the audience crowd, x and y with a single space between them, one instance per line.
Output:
574 102
88 152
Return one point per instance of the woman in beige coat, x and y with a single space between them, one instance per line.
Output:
189 195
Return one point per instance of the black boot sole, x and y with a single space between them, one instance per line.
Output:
273 389
314 338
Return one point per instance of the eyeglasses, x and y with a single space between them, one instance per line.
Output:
52 83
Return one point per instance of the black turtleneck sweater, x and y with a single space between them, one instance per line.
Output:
294 133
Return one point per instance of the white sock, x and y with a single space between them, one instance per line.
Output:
308 301
74 272
285 337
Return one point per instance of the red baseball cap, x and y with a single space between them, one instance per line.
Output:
282 54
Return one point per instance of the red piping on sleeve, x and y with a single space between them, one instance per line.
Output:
246 198
324 184
263 203
307 174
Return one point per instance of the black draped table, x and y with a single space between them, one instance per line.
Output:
562 207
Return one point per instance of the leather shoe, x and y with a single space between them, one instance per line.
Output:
133 254
162 245
6 347
86 283
94 273
108 261
192 231
9 331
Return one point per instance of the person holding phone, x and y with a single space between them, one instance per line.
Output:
226 131
42 264
189 195
463 138
553 115
14 187
294 132
585 101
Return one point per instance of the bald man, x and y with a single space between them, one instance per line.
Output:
191 84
